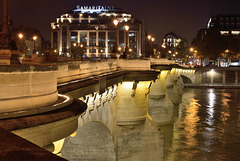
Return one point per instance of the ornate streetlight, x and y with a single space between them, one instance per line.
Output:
126 52
115 46
34 40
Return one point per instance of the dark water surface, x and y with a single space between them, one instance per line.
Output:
206 127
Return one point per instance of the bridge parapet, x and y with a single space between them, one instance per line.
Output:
135 64
27 87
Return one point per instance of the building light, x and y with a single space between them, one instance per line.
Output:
235 32
224 32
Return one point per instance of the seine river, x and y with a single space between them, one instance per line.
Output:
206 127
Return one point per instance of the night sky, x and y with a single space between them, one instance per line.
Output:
184 17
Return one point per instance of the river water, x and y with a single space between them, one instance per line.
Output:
206 127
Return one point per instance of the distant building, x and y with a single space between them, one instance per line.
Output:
26 44
227 24
93 28
173 40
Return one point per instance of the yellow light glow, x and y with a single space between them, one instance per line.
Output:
20 36
73 134
127 84
126 27
149 37
35 38
58 146
115 22
153 39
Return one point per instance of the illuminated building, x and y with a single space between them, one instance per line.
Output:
227 24
173 40
92 27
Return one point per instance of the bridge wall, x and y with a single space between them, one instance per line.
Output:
68 71
27 87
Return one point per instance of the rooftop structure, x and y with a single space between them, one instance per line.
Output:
99 29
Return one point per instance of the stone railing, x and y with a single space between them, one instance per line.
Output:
68 71
27 87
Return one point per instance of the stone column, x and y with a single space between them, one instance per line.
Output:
160 106
174 86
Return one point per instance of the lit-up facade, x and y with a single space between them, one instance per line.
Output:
173 40
227 24
92 27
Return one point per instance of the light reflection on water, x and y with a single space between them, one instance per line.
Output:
207 128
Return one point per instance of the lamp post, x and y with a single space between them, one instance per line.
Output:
34 40
126 52
115 46
5 17
20 36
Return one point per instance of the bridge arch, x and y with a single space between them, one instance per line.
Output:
186 80
93 141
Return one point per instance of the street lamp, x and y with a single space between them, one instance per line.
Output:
34 39
153 39
20 35
149 37
126 52
115 22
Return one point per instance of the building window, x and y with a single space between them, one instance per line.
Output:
64 37
224 32
121 38
75 15
65 21
83 38
55 40
85 15
84 21
111 41
92 38
102 39
93 21
133 42
235 32
92 51
233 25
74 37
75 21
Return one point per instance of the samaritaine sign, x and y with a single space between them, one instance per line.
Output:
93 9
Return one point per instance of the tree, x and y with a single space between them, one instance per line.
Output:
210 43
77 51
182 50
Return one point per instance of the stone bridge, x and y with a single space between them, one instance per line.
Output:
126 99
122 123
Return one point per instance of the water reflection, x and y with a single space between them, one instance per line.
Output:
210 107
207 127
